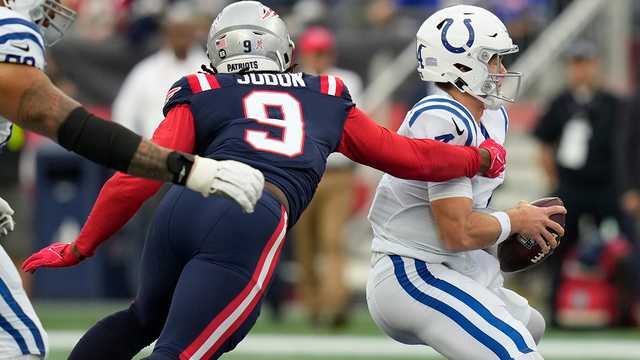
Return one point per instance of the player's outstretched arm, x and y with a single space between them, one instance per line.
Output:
462 229
123 195
370 144
30 100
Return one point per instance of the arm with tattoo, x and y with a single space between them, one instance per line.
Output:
34 103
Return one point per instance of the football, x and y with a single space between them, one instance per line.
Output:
518 252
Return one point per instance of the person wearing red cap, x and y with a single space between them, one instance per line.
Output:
319 241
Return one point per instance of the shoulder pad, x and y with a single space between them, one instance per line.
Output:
442 119
183 89
20 40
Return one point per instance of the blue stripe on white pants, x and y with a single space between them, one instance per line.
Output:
486 340
26 320
15 334
474 304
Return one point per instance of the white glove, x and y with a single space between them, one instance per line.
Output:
239 181
6 220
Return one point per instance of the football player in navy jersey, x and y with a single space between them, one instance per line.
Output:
206 265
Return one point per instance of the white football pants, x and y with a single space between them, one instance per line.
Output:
464 314
21 333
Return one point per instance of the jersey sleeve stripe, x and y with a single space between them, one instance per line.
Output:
339 87
23 22
332 85
22 36
204 82
506 119
213 81
194 84
455 104
484 131
449 109
324 84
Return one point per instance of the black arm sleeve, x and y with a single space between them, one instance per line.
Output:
103 142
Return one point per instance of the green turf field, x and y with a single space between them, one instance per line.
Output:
271 341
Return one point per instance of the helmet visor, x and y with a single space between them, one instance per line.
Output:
500 83
56 19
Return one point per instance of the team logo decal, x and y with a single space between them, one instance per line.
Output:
445 42
267 13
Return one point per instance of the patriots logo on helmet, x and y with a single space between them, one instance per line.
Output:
267 13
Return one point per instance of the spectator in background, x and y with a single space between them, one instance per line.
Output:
139 106
319 240
578 139
630 159
629 163
140 100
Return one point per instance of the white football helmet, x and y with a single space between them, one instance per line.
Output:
248 36
53 18
456 44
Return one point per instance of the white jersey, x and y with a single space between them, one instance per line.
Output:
21 332
20 43
400 214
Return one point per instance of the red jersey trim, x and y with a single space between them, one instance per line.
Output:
202 82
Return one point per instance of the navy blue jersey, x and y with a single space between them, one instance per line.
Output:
284 125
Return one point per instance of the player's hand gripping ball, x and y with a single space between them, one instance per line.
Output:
519 252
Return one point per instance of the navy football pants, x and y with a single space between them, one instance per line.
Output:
204 269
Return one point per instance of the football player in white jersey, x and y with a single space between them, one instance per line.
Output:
21 43
435 279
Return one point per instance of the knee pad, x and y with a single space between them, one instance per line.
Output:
536 325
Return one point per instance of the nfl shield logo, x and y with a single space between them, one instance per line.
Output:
221 43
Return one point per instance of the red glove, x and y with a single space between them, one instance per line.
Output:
498 156
55 255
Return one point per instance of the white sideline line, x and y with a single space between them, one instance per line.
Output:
373 346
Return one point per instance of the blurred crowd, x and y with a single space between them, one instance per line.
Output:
124 55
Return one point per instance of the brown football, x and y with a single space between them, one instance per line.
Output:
519 253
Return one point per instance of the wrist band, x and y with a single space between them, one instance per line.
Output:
180 164
505 225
